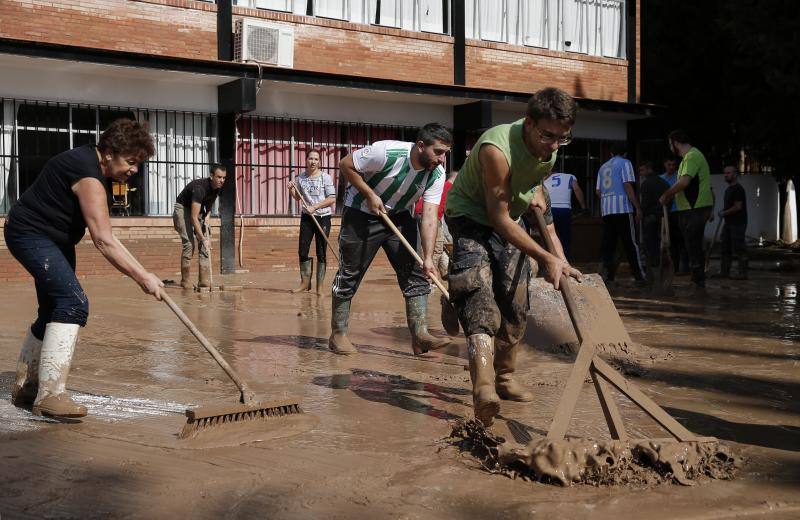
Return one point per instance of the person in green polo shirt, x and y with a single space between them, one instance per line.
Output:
694 199
489 270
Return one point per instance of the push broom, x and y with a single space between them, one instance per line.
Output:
247 409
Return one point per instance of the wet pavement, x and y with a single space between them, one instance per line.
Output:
371 440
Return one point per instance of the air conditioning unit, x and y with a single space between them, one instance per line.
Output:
270 44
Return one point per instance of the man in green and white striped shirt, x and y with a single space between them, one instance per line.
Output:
389 177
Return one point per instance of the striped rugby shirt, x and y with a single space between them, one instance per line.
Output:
386 168
611 181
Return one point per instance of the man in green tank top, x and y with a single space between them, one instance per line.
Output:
489 271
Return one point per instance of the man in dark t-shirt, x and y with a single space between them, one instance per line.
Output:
652 188
190 217
735 214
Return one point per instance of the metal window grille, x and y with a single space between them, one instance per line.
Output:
270 151
31 132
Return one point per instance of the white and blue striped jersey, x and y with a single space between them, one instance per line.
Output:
559 186
386 168
611 179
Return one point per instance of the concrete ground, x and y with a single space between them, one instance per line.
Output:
370 443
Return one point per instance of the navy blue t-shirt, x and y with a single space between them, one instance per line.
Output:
50 207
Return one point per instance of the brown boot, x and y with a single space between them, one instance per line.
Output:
340 314
59 406
204 280
305 276
321 267
505 360
186 273
58 347
485 401
26 385
421 340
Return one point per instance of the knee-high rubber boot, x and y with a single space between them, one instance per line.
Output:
26 385
340 315
485 401
57 349
204 280
305 276
320 276
421 340
505 361
186 273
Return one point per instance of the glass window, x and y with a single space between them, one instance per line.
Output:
612 28
331 9
431 15
492 19
536 25
595 27
386 12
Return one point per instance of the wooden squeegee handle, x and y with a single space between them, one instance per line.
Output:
565 284
316 222
246 393
413 252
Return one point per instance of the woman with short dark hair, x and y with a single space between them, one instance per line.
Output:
41 231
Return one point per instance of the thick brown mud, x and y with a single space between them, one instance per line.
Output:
607 463
369 441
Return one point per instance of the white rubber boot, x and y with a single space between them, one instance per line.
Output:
26 386
57 349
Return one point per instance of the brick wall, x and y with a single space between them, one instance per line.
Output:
524 69
187 28
337 47
181 28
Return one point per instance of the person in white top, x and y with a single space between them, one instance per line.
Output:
316 190
561 186
388 177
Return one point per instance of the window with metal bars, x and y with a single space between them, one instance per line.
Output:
34 131
271 151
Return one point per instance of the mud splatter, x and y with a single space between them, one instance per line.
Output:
597 463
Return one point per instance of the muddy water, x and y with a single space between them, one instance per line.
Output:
371 443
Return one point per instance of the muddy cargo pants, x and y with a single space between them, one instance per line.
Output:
488 281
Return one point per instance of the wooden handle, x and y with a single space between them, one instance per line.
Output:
565 284
246 395
324 236
413 251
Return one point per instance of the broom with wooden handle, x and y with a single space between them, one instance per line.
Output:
248 408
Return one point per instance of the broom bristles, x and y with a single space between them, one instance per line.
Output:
203 418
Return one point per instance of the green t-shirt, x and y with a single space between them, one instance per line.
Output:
698 193
467 196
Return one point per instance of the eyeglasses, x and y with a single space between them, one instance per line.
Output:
546 137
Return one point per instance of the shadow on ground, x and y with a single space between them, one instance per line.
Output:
779 437
397 390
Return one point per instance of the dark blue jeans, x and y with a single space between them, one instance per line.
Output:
61 297
562 218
